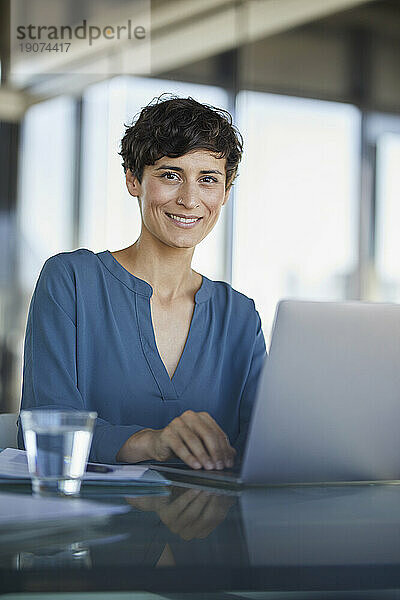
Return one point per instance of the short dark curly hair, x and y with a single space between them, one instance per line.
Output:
174 126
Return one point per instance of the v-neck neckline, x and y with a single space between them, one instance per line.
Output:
170 388
187 342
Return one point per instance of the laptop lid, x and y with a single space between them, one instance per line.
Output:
328 400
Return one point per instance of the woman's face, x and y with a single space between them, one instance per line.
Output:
180 198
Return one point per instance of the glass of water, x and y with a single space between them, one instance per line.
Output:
57 445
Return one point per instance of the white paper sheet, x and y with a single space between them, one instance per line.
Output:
20 509
14 465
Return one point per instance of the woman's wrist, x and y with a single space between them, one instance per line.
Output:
139 447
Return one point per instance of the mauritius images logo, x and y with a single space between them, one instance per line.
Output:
81 31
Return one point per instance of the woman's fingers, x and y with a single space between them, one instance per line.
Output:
181 450
197 440
194 443
193 427
214 439
187 445
191 515
172 513
210 517
227 450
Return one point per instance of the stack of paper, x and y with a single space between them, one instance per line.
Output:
20 510
42 520
14 467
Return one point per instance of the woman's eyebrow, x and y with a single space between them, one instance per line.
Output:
174 168
171 167
211 171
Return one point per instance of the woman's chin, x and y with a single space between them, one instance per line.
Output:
183 240
184 244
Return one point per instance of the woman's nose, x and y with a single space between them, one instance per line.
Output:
188 198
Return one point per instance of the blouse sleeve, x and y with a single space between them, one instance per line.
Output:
50 373
250 387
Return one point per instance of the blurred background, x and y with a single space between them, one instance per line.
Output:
314 87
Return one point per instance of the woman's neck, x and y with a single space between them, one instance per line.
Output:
168 270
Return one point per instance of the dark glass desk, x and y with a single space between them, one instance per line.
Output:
340 540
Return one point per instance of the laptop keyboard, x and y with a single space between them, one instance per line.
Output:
179 464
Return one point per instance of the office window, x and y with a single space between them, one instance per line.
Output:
96 204
388 217
109 215
296 211
45 207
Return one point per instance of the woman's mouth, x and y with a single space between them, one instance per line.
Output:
183 222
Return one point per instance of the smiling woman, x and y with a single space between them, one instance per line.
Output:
185 181
168 358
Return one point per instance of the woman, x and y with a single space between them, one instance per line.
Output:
168 358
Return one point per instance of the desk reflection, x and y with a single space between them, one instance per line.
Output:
75 555
298 537
188 513
187 527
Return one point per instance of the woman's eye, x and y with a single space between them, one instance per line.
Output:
169 176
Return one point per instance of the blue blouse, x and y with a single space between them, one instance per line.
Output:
90 345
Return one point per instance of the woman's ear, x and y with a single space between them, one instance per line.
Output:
132 183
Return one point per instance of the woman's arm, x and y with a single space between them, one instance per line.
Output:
250 387
50 378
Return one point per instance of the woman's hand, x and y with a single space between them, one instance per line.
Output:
188 513
195 438
195 514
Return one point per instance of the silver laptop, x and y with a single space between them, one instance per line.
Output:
328 402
